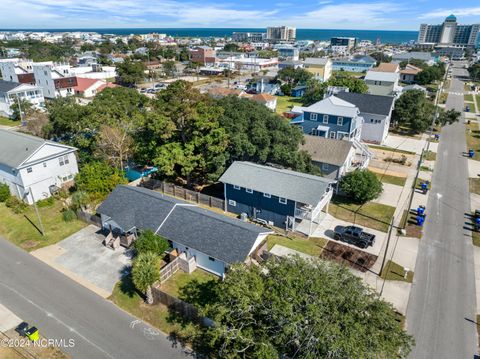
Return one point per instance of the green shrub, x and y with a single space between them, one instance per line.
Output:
4 192
16 205
150 242
47 202
69 215
361 185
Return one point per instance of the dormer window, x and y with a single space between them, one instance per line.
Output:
325 118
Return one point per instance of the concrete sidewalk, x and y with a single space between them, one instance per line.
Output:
8 320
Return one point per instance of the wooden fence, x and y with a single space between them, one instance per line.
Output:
185 309
89 218
169 270
183 193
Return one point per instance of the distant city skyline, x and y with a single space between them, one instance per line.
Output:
326 14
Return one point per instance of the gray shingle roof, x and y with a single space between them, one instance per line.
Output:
6 86
16 147
366 103
327 150
224 238
295 186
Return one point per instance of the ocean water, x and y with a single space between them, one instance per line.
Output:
385 36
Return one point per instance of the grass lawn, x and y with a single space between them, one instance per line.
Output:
418 183
443 98
394 271
21 229
476 238
349 73
430 156
389 149
179 280
396 180
4 121
474 185
126 297
285 103
426 169
478 101
468 97
473 139
311 246
411 228
372 215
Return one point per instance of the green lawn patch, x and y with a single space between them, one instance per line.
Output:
474 184
418 183
468 97
349 73
180 280
426 169
396 180
473 139
390 149
21 229
477 98
430 156
411 228
372 215
285 103
4 121
311 246
126 297
443 98
394 271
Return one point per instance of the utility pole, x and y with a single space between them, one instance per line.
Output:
42 230
20 111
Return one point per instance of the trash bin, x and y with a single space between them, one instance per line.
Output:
421 210
420 220
424 187
471 153
32 334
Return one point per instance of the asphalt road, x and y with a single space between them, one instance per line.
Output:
442 306
63 309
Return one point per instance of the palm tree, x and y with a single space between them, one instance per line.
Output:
145 272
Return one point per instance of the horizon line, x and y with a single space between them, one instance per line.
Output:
183 28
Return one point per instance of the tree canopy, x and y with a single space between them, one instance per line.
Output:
414 111
316 90
150 242
474 71
98 179
131 72
259 135
294 76
145 272
361 185
301 309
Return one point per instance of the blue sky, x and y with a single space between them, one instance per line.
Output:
320 14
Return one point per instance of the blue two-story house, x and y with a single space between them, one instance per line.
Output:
274 196
330 118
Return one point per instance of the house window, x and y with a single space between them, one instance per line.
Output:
232 203
61 161
211 259
333 135
29 170
268 195
325 118
282 200
313 116
248 190
44 164
340 121
236 187
324 166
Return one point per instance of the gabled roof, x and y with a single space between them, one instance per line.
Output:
381 76
367 103
221 237
327 150
83 84
16 147
6 86
263 97
334 106
316 61
411 70
386 67
295 186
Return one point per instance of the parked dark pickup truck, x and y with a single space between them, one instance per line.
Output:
354 235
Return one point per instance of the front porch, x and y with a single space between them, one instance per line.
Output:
305 212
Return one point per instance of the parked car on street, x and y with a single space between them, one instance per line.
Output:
354 235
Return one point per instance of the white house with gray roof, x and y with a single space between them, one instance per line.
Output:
34 168
214 240
13 92
383 83
275 196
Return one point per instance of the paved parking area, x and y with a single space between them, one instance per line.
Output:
390 195
328 224
405 143
473 168
8 320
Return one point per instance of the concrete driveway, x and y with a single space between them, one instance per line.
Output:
328 224
84 258
390 195
405 143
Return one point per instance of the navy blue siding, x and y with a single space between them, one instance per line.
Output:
269 209
308 125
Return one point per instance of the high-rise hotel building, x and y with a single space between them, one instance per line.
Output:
449 34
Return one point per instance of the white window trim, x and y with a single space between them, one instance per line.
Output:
340 121
232 203
325 118
313 116
236 187
325 166
333 135
267 195
29 169
248 190
282 200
